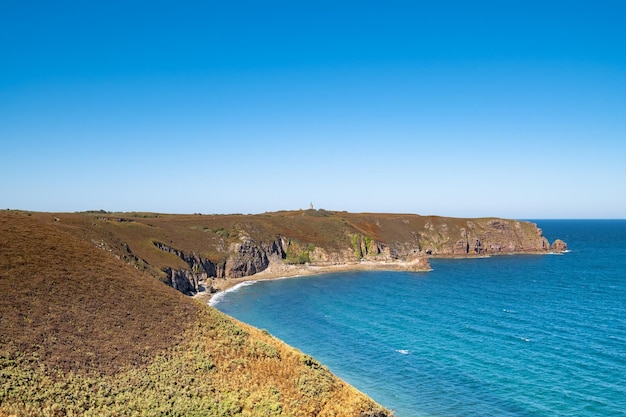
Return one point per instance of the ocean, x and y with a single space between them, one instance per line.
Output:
515 335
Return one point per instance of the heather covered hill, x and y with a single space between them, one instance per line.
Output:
192 252
77 308
83 331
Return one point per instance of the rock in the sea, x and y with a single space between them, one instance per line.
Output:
417 262
558 246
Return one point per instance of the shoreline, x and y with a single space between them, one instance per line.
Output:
279 270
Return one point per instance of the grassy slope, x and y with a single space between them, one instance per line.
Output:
210 236
83 333
204 235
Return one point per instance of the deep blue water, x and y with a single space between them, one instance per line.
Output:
524 335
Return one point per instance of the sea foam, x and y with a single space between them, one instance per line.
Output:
215 299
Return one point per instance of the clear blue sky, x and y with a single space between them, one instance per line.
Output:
468 108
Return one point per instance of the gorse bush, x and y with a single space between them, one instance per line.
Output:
300 259
356 245
298 254
224 368
176 384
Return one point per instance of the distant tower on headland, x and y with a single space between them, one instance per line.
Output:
310 206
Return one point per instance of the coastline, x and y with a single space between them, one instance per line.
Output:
279 270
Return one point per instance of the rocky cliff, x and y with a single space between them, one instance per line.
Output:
245 258
190 252
471 237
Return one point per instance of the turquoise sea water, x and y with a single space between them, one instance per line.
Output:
524 335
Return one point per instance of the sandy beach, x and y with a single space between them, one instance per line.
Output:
280 270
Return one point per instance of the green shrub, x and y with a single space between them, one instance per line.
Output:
356 244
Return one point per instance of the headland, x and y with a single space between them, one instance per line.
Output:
202 254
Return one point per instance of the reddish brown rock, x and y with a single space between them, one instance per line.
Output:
558 246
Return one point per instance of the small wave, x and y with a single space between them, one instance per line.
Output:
403 351
524 339
506 310
559 253
218 297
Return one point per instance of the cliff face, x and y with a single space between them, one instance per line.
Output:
245 258
191 252
497 236
249 257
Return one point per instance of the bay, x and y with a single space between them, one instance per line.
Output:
521 335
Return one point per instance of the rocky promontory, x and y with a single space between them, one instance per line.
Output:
206 253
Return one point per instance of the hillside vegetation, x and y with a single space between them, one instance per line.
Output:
190 252
86 329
